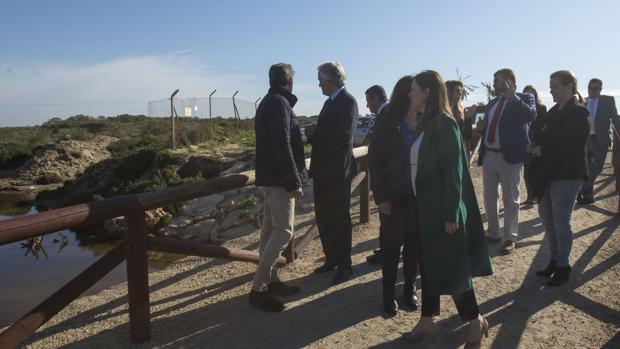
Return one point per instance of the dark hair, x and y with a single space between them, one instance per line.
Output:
280 74
597 81
437 101
567 77
398 105
377 91
534 92
507 74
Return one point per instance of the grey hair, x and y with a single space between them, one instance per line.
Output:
280 74
333 72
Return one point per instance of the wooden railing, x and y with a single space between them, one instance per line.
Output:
134 247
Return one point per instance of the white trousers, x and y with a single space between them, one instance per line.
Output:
497 172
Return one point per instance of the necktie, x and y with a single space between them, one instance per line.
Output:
495 120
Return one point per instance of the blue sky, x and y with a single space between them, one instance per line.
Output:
61 58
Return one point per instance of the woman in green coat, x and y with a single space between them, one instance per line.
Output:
450 234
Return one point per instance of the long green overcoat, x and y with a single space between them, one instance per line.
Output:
445 193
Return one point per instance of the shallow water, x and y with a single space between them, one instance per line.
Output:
29 276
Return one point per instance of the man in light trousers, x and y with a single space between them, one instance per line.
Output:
280 167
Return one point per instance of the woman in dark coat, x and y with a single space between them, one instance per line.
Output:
393 194
559 169
541 111
449 231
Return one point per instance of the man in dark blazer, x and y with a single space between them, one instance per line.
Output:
503 149
376 101
332 167
602 113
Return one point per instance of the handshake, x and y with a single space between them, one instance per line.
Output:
533 149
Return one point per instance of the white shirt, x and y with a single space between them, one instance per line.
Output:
335 94
382 107
592 106
413 160
496 143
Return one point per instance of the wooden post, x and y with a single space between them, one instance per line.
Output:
289 252
138 279
364 191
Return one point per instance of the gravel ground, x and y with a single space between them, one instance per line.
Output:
202 303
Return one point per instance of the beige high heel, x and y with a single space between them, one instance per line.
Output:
423 330
478 328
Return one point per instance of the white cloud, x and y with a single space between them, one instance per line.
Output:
37 92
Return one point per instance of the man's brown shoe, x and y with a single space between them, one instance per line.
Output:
509 247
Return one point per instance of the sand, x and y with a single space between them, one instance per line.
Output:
203 303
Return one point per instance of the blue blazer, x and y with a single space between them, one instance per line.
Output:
513 127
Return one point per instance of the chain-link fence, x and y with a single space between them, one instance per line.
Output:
199 107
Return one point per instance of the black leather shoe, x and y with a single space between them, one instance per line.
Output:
409 297
342 275
377 252
374 258
327 266
560 276
279 288
390 307
411 301
265 302
549 270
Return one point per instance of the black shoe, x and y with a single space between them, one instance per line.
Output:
377 252
549 270
279 288
265 302
390 306
409 297
509 247
374 258
327 266
560 276
342 275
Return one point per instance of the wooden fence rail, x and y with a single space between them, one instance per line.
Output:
136 244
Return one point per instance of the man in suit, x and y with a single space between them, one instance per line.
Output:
332 168
602 110
376 101
503 150
280 166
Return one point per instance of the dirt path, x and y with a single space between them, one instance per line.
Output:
200 302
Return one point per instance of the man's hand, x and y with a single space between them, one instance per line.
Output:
470 112
299 193
385 208
509 92
451 227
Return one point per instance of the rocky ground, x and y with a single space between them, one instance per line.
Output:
54 163
202 302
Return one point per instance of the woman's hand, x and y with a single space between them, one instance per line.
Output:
385 208
451 227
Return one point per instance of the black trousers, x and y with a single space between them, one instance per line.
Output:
397 230
465 302
332 202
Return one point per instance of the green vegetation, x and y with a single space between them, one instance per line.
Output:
141 160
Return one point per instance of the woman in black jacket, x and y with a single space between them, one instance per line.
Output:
541 111
559 170
388 155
